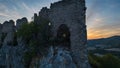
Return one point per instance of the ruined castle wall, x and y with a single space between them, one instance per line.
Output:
69 12
72 13
61 13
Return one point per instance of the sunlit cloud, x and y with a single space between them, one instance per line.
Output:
103 18
102 32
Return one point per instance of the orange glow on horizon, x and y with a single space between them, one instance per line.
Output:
102 32
98 36
93 36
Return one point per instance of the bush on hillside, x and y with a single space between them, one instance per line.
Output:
36 37
107 61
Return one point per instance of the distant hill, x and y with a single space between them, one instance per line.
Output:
113 41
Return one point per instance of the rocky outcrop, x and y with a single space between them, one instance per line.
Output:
11 56
8 30
8 26
19 22
58 57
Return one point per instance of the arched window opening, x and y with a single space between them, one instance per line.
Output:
63 35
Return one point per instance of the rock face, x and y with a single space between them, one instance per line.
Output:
19 22
0 35
8 26
8 29
58 57
11 56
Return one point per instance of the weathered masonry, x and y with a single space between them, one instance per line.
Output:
68 20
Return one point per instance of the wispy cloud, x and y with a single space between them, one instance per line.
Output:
103 31
5 15
91 9
31 10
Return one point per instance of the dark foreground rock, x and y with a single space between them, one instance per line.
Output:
57 57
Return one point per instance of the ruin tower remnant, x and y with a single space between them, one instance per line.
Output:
72 13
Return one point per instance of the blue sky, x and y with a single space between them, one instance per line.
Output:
103 16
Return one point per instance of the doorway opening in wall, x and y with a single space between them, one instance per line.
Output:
63 36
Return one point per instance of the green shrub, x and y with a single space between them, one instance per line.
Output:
107 61
28 58
26 31
93 62
110 61
36 37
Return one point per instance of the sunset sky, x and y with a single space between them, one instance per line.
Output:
103 16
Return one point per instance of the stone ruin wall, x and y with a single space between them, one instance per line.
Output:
69 12
73 14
